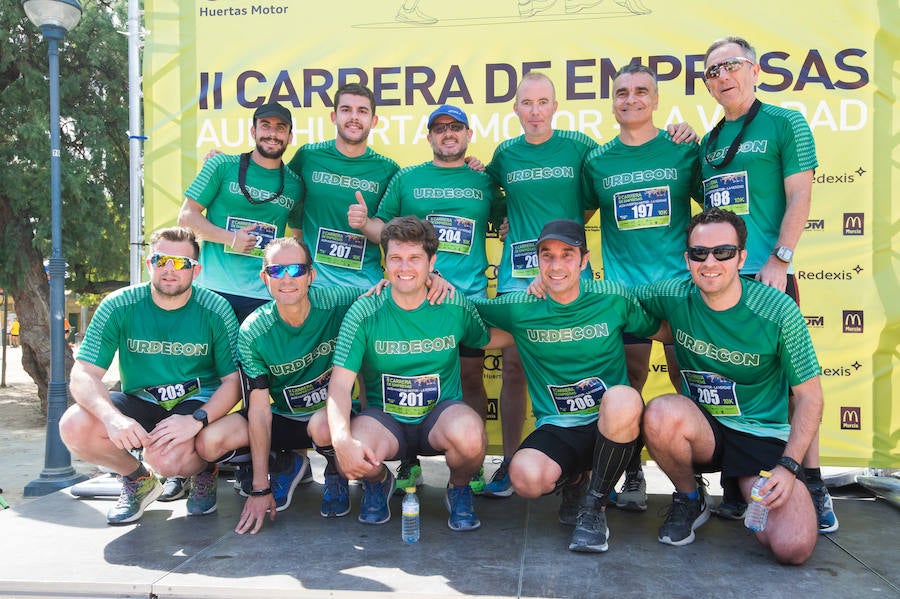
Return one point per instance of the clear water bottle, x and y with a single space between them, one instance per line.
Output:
757 513
409 528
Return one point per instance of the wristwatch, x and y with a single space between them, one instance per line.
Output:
791 464
201 417
784 253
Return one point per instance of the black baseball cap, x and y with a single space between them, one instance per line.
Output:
273 109
567 231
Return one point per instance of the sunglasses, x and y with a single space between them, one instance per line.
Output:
730 65
441 127
178 262
698 253
279 271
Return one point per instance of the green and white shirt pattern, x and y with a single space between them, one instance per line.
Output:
572 353
165 356
409 359
216 188
738 363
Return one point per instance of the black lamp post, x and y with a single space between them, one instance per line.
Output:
55 18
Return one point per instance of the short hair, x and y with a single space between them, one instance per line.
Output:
633 69
409 229
745 46
176 235
535 76
717 215
354 89
286 242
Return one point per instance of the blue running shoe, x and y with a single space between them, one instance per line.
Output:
828 521
335 497
283 483
202 496
375 508
500 486
136 495
460 502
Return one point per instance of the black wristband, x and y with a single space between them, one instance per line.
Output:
790 464
261 492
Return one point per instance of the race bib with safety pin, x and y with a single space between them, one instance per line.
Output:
525 260
410 396
454 233
728 191
264 232
168 396
340 248
642 208
712 391
306 398
582 398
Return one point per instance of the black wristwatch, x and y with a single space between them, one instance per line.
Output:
201 417
791 464
261 492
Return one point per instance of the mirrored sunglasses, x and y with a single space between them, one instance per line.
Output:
698 253
730 65
439 128
279 271
178 262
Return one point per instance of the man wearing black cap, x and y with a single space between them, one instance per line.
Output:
587 416
238 204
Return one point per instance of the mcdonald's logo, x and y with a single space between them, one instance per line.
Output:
493 409
851 418
854 223
853 321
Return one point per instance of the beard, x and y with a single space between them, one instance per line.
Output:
271 155
170 290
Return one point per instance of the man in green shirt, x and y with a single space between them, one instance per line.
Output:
175 345
587 416
285 349
407 351
741 346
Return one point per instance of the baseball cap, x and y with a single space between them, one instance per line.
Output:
567 231
273 109
451 111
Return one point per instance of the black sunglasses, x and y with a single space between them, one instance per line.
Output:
698 253
279 271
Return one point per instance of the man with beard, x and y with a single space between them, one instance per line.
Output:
248 199
332 172
176 345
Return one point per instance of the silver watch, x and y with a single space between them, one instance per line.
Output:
784 253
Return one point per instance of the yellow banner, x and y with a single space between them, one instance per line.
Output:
209 63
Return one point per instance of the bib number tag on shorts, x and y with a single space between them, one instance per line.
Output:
728 192
410 396
340 248
306 398
642 208
168 396
581 398
525 260
715 393
264 232
454 233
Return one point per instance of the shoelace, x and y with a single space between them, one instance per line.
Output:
631 484
461 500
202 485
333 488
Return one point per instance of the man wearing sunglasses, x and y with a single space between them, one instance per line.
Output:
758 162
461 203
175 344
407 351
742 346
237 204
285 349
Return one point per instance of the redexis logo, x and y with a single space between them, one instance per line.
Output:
852 321
854 223
830 275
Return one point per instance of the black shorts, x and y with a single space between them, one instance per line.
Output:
242 306
150 414
288 433
411 438
740 454
570 447
470 352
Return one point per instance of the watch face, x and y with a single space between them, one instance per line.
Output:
200 414
784 254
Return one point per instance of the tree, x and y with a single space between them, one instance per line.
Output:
94 144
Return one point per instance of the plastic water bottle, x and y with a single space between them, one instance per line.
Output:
409 528
757 513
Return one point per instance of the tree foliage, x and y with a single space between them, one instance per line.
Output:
93 65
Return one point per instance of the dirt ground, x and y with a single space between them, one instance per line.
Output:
22 432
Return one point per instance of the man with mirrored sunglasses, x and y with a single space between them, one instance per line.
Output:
176 354
742 346
758 162
285 348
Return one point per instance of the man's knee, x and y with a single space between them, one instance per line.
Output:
661 412
75 426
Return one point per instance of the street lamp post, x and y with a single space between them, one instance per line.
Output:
55 18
